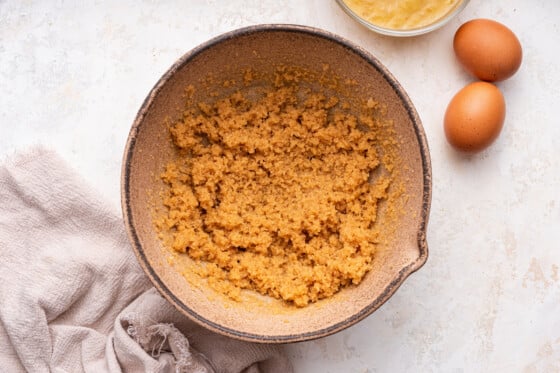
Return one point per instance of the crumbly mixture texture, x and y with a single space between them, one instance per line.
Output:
275 194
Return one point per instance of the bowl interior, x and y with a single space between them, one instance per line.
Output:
149 149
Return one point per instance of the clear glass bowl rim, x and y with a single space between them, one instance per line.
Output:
403 33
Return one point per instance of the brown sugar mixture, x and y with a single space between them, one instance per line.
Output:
276 194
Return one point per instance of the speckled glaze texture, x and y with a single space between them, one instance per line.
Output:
147 151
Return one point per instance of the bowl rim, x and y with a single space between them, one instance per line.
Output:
426 194
406 32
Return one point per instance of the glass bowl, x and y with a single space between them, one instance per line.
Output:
404 32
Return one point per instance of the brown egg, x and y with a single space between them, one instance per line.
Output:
487 49
474 117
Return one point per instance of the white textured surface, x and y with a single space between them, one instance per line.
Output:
74 73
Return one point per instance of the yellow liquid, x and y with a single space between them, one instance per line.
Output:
402 14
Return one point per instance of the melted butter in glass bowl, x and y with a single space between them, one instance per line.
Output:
402 17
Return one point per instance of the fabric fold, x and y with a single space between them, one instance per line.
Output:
73 297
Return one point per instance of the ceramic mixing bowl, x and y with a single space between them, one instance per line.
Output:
149 148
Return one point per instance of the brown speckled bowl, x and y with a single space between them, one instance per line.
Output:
258 318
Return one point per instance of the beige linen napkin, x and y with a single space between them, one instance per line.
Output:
74 299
